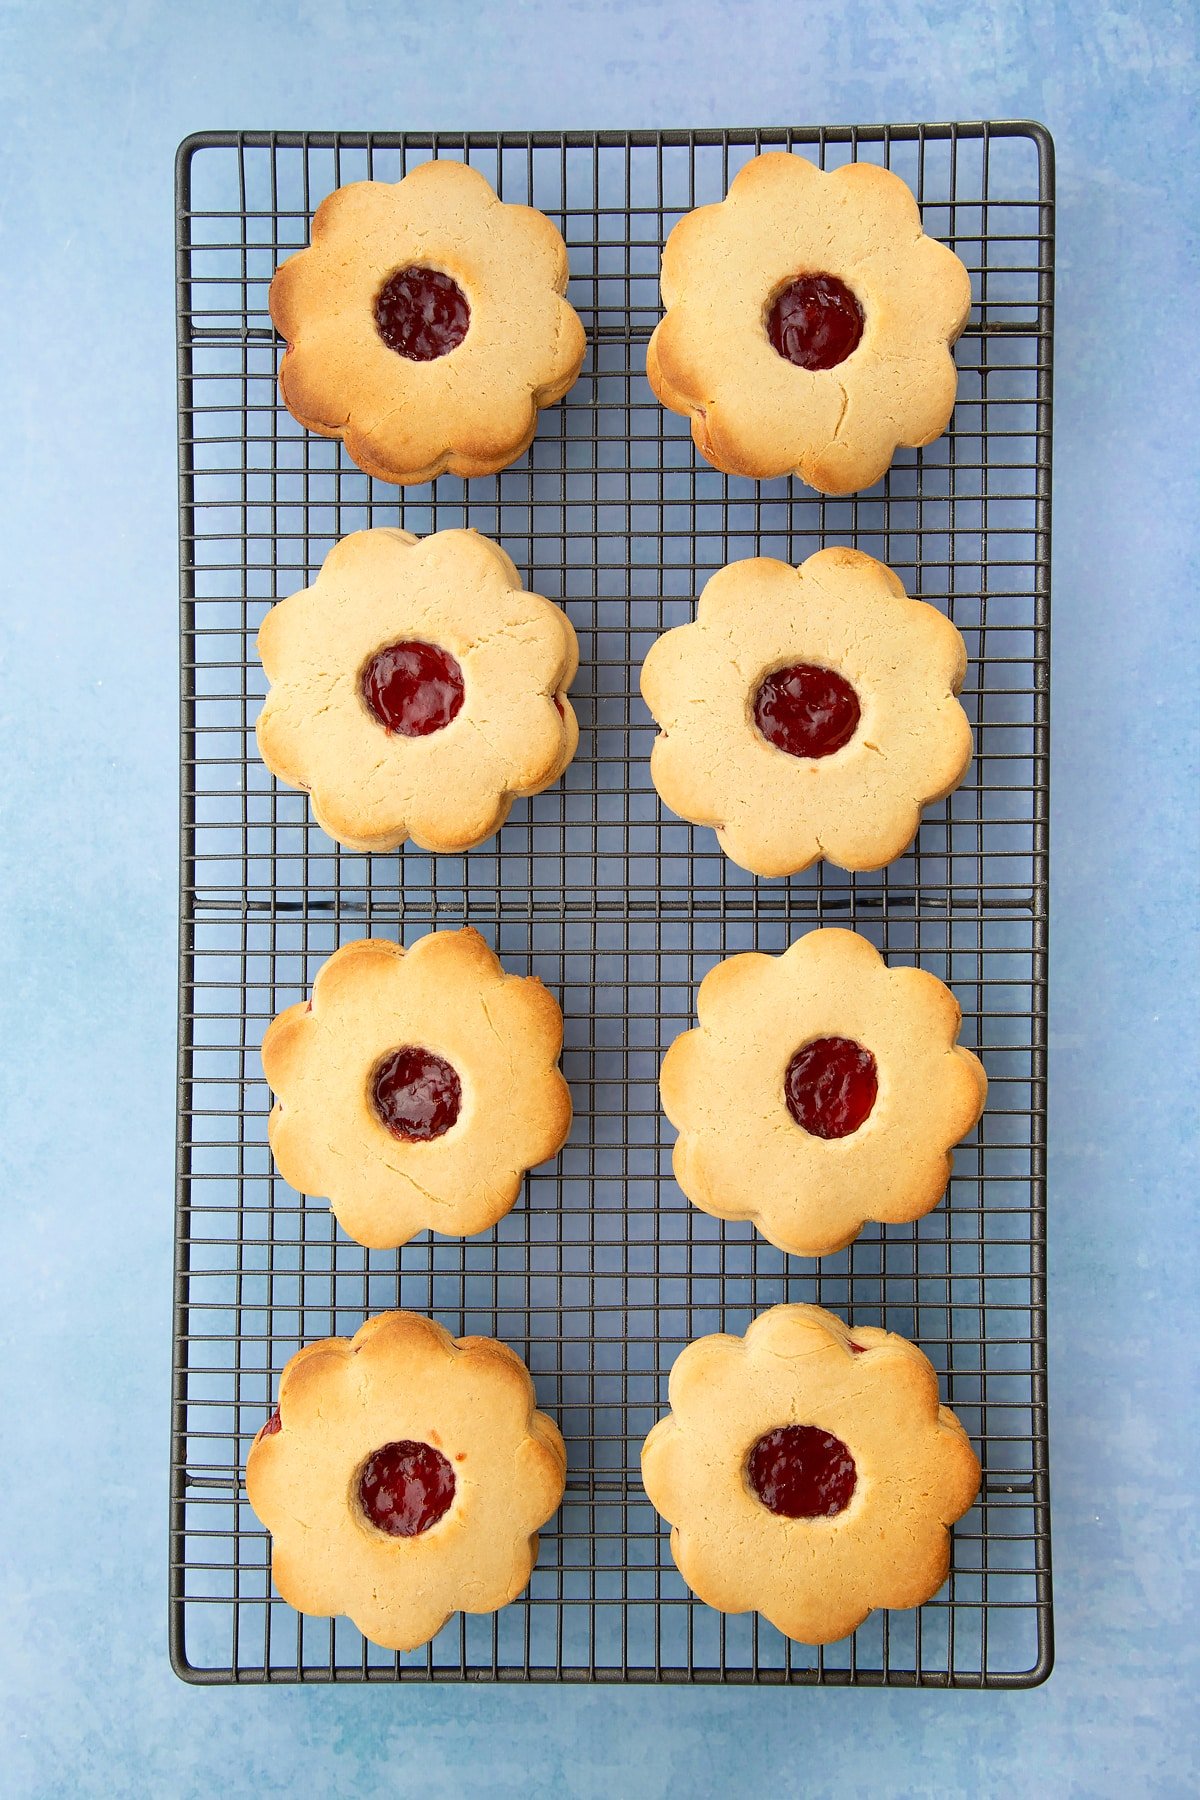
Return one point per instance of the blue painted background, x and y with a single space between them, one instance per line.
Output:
94 99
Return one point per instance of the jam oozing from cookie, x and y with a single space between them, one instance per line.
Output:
405 1487
412 688
273 1424
416 1094
422 314
801 1472
806 710
830 1086
815 322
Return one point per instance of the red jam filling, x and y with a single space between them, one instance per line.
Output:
412 688
273 1424
801 1472
858 1349
806 710
815 322
416 1094
830 1087
422 314
405 1487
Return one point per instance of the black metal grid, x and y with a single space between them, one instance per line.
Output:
603 1271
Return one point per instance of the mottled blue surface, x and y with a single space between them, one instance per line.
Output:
94 100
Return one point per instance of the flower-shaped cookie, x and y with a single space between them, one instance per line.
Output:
416 1087
426 324
821 1089
809 1473
416 688
808 712
809 324
404 1477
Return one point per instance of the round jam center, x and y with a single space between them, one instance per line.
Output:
412 688
830 1087
422 314
815 322
802 1472
416 1094
405 1487
806 710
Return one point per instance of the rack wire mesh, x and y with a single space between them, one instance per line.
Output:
603 1272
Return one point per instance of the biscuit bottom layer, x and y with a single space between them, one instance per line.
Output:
802 1472
421 314
412 688
830 1087
405 1487
416 1094
816 322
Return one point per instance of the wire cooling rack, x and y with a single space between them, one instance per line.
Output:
603 1272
